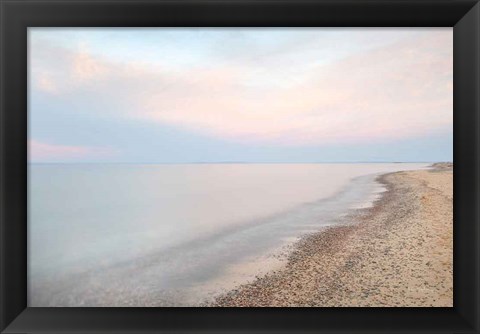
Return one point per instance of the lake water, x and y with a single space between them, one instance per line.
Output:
176 235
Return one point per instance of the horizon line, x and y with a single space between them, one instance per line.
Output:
225 163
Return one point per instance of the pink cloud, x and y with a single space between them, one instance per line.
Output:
395 91
86 67
42 151
46 84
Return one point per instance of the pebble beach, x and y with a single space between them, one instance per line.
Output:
398 253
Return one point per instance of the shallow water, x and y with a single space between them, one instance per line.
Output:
176 235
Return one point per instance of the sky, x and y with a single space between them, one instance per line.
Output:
267 95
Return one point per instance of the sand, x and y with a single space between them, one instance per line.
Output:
397 253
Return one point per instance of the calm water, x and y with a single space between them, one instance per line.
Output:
176 235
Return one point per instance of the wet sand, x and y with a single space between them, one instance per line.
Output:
397 253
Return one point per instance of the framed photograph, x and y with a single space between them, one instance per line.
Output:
239 166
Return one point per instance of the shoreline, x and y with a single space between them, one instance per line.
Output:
396 253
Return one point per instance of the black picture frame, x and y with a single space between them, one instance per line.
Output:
18 15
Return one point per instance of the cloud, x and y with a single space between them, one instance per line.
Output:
396 90
85 67
42 151
46 84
